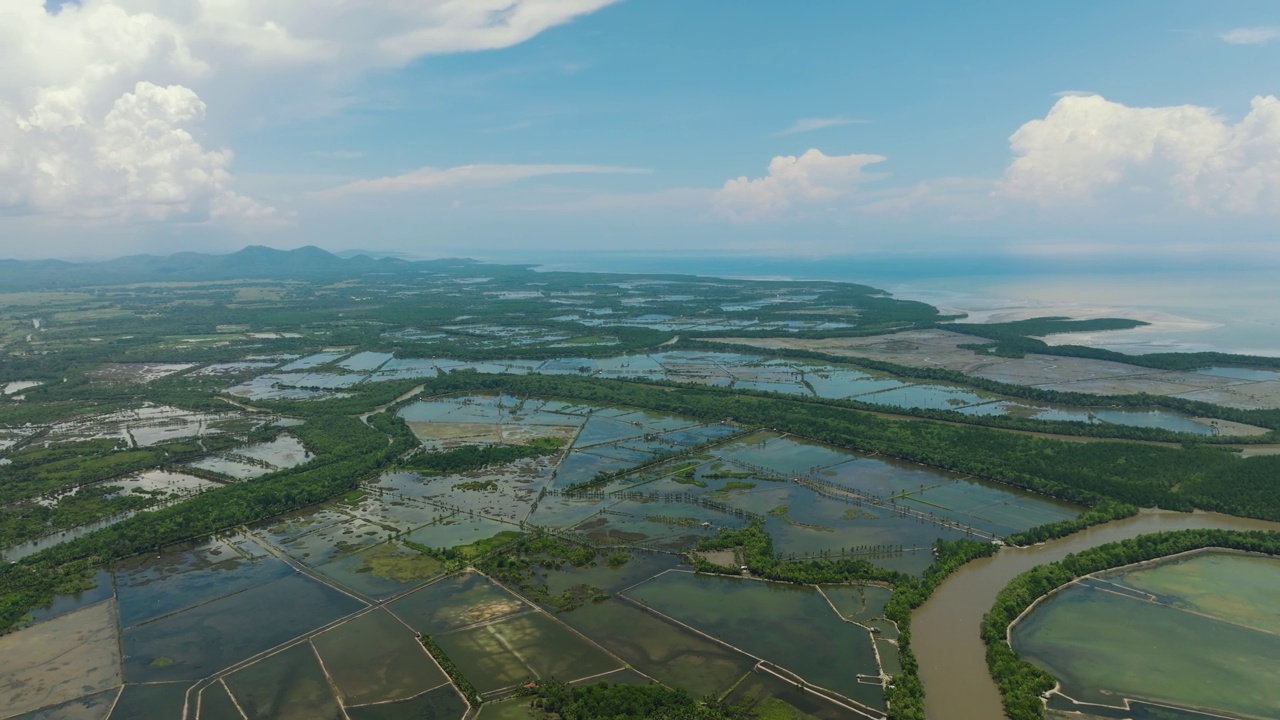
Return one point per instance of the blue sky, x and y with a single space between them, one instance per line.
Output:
509 128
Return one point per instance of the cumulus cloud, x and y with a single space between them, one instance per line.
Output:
810 178
429 178
103 102
1090 150
1251 35
810 124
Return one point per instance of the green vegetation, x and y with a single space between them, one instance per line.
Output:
456 558
387 561
476 485
1022 683
1103 512
520 564
554 699
28 521
475 457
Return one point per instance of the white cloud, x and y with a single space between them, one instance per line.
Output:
427 179
809 124
136 161
810 178
1092 150
1251 35
102 101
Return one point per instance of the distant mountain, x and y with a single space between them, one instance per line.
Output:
253 262
375 254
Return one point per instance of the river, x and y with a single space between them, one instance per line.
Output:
944 631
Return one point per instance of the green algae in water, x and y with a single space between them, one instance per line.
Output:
1104 647
1230 586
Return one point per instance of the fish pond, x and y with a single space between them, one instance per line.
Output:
1198 633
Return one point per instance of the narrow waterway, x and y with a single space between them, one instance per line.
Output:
944 631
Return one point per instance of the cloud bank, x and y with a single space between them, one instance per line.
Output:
1090 150
103 103
1251 35
808 179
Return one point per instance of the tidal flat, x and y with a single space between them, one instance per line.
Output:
59 660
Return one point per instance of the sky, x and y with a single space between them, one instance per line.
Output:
506 129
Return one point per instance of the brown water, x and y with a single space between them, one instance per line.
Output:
944 631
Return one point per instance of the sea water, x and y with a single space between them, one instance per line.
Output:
1229 306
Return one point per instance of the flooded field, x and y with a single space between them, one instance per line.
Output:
374 658
319 609
941 348
289 685
757 372
818 500
149 425
199 641
758 618
525 647
457 601
1131 633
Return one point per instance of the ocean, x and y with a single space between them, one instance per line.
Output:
1230 307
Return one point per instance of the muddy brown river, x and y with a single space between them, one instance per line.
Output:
944 631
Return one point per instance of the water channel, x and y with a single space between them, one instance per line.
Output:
944 631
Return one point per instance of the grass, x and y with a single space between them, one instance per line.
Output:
352 498
480 547
775 709
401 565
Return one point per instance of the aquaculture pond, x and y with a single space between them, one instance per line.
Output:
821 501
317 613
1198 632
790 627
318 376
